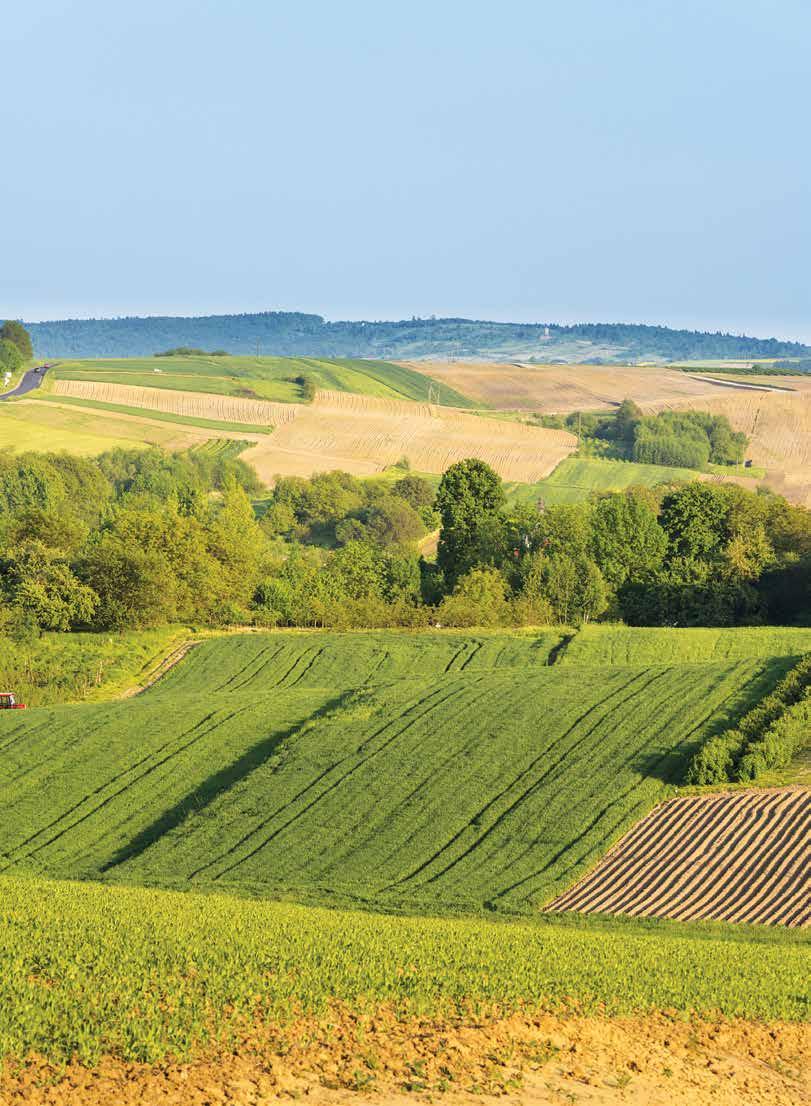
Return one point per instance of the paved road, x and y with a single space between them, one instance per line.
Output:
29 382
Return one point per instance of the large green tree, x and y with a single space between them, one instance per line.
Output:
627 540
470 494
14 331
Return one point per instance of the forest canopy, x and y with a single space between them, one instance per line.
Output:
142 538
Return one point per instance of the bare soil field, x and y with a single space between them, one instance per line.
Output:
737 856
559 389
778 425
378 1060
361 434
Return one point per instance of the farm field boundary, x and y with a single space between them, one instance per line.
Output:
228 411
360 434
144 413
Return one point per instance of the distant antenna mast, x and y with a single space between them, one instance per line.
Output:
258 347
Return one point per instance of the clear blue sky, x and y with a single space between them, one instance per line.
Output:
526 159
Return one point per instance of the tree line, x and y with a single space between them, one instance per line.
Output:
141 538
294 333
15 346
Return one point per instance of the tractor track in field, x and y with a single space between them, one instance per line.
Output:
164 666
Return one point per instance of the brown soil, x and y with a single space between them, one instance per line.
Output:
736 856
656 1061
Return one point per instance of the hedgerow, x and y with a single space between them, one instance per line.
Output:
766 737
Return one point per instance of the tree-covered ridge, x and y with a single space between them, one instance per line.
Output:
296 333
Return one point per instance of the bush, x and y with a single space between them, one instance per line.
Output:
780 742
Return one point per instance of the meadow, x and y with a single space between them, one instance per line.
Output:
577 478
368 768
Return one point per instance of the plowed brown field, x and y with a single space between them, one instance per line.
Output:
559 389
738 856
361 434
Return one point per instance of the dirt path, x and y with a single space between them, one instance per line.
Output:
654 1061
166 664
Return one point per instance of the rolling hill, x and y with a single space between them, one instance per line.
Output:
298 334
372 768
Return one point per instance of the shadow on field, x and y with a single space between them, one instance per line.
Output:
205 794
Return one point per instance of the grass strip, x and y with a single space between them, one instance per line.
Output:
158 416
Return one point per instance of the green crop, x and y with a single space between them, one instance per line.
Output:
87 970
418 772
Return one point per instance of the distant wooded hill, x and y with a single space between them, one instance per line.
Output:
298 334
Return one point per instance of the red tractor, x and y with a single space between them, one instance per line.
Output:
8 701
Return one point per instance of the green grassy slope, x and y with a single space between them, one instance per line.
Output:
89 970
271 378
59 668
626 645
415 772
576 478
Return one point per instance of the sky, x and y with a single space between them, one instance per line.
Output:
526 160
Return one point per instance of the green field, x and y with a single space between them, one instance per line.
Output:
271 378
369 768
576 478
605 644
88 970
59 668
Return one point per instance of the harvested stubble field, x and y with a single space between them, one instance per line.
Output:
201 405
559 389
737 857
360 434
370 767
